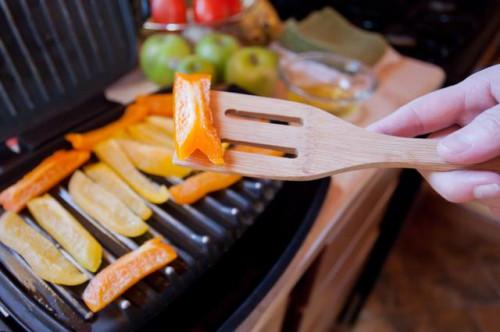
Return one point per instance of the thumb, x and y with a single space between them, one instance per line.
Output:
476 142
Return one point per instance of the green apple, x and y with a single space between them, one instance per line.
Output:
253 69
160 55
195 64
217 48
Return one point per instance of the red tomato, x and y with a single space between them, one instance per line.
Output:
234 6
209 11
168 11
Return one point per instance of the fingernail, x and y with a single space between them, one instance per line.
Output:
487 191
454 144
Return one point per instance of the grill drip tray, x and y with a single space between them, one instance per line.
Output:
201 233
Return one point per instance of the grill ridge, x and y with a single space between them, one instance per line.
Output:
75 42
58 44
38 40
24 52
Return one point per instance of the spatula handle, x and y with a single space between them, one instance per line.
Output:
422 154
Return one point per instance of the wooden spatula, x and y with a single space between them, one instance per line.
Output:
316 143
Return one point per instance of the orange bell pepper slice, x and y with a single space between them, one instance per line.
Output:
258 150
86 141
125 272
194 128
42 178
201 184
159 104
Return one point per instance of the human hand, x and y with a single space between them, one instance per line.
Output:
474 106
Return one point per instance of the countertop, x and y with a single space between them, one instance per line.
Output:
401 80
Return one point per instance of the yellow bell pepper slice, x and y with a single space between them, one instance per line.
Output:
40 254
104 176
150 134
111 153
104 206
162 122
64 228
151 159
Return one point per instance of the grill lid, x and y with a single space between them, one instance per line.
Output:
55 55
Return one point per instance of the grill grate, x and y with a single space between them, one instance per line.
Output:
200 233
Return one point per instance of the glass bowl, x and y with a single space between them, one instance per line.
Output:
329 81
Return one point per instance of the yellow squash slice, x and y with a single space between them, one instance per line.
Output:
162 122
150 134
104 176
112 154
40 254
104 206
152 159
64 228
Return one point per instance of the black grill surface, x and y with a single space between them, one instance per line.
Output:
200 233
55 54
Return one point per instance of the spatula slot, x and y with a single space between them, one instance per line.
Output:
260 117
281 151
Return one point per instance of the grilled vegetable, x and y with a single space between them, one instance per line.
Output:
40 254
111 153
254 149
64 228
155 160
86 141
104 176
167 124
194 128
150 134
43 177
159 104
104 206
201 184
122 274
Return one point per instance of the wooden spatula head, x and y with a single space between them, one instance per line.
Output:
301 131
315 143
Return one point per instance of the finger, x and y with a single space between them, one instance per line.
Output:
476 142
489 193
481 187
426 114
464 185
457 104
